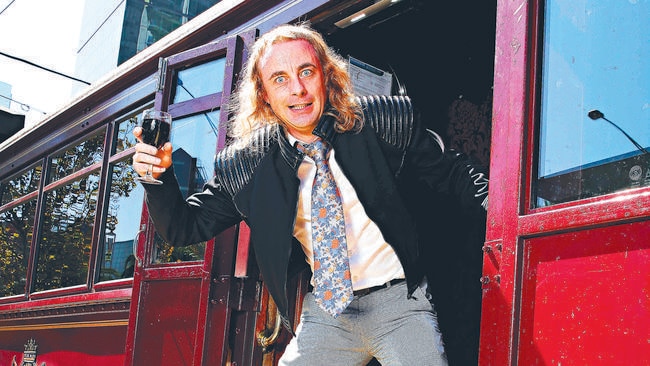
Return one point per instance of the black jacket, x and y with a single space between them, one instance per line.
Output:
258 184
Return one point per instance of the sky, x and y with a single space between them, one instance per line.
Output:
596 57
46 33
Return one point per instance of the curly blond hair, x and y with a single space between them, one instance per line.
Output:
251 112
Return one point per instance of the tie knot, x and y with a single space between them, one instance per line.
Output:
317 150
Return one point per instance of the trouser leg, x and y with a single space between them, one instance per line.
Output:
384 324
404 331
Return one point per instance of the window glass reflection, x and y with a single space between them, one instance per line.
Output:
125 138
195 143
16 228
200 80
595 60
21 185
122 223
80 156
166 253
66 235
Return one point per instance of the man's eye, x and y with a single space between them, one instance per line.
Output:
306 72
280 79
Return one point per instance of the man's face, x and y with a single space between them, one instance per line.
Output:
294 86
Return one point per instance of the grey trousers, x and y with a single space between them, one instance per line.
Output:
383 324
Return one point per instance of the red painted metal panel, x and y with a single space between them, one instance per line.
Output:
65 344
586 298
166 336
508 129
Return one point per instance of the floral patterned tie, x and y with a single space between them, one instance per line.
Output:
332 283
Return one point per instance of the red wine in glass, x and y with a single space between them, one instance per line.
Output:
156 126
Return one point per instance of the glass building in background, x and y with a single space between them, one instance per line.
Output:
147 21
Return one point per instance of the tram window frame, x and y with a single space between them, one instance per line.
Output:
576 154
113 153
121 153
215 57
89 239
29 196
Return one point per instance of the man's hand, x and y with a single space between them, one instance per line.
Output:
148 157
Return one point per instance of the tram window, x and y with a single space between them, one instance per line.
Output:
20 186
124 209
77 157
66 234
15 239
195 142
199 80
590 93
125 138
16 230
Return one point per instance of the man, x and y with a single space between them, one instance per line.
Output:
295 91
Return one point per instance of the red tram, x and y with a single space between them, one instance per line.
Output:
558 275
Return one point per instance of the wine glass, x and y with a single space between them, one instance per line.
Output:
156 126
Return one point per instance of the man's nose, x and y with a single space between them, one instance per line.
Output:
297 87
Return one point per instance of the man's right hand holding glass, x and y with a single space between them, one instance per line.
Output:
148 157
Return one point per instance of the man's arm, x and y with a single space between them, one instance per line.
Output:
183 222
447 171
